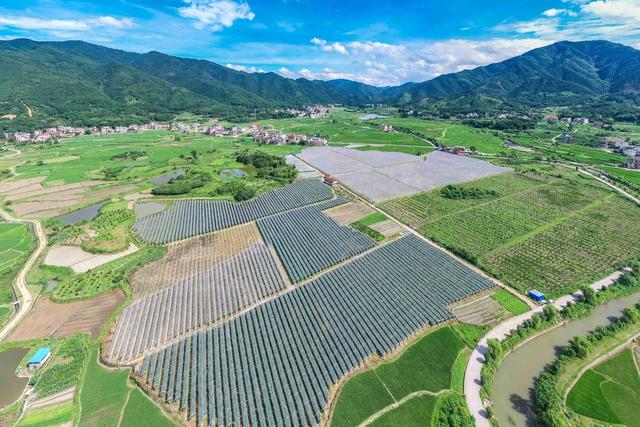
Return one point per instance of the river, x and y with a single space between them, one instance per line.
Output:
514 380
12 386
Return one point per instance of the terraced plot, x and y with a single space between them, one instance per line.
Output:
308 241
199 300
188 218
550 230
274 364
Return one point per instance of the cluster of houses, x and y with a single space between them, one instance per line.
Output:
60 132
385 128
270 136
622 146
500 116
553 119
311 111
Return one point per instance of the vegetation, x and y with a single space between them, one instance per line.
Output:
140 407
64 370
416 369
549 228
617 379
48 416
16 244
268 165
375 235
452 411
183 184
460 192
513 304
102 279
416 412
112 228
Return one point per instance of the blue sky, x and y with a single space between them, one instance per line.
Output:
380 42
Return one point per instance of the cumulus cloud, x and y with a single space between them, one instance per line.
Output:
246 69
215 14
384 64
557 12
30 23
329 47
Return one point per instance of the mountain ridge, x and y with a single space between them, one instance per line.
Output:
83 83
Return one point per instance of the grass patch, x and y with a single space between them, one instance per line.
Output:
609 392
102 395
373 234
425 365
16 243
458 370
416 412
470 334
373 218
49 416
138 408
510 302
112 231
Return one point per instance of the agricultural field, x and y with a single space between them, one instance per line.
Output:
308 241
79 260
345 128
426 365
379 176
512 304
449 134
552 229
316 332
418 411
633 176
609 392
49 416
188 218
49 319
16 244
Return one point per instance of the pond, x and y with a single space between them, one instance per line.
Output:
232 173
84 214
12 386
149 208
164 179
514 381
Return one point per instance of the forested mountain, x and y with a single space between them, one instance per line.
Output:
80 83
560 74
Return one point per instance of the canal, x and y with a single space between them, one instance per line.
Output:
514 381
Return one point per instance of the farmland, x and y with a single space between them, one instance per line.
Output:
348 313
609 392
188 218
424 366
16 243
547 228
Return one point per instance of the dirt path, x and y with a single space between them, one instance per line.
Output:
26 300
29 110
614 187
472 375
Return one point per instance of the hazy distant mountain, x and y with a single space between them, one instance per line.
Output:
82 83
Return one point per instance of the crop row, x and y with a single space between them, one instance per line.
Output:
274 364
187 218
308 241
199 300
184 259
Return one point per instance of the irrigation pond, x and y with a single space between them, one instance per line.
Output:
12 386
514 381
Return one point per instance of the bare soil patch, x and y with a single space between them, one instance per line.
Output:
49 319
349 212
81 261
187 258
387 228
482 311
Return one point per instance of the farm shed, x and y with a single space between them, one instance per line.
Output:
39 358
536 295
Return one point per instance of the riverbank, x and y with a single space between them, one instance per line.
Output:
475 381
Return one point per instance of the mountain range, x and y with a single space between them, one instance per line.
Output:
81 83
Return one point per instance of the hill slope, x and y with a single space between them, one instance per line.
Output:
559 74
80 83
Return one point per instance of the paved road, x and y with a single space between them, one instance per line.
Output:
476 360
615 187
25 297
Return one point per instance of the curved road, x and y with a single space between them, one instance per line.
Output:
25 297
472 384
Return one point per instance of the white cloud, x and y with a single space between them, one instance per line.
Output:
616 20
246 69
329 47
29 23
215 14
384 64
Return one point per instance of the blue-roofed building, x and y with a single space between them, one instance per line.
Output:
536 295
39 358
